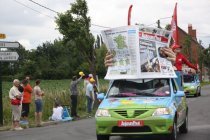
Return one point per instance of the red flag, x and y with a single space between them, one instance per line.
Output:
174 27
129 14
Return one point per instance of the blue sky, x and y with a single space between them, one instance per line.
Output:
32 25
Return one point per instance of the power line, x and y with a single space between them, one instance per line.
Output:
100 26
164 18
33 9
157 20
44 6
203 36
58 12
151 24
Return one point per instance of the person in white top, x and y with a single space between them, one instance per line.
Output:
15 95
86 80
90 96
57 112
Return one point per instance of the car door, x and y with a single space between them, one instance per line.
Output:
197 81
180 103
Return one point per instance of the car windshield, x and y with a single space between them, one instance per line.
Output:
139 88
188 78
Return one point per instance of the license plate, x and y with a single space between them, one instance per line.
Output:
130 123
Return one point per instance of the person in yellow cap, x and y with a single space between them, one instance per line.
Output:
90 96
74 93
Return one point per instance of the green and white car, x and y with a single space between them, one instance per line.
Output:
142 107
192 86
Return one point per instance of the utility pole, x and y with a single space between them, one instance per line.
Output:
6 56
158 23
1 100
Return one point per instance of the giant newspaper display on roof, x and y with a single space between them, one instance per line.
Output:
137 52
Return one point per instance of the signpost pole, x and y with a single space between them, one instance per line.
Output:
1 100
5 56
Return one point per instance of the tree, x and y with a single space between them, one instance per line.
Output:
74 25
206 58
100 55
168 27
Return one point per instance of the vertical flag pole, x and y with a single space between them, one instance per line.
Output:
174 27
129 15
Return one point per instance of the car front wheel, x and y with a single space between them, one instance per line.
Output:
102 137
197 93
184 127
200 92
173 135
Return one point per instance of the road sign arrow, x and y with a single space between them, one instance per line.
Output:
9 56
5 44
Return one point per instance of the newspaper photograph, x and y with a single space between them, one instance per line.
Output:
137 52
152 59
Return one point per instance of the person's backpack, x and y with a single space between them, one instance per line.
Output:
66 116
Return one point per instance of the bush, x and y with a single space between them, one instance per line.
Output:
8 78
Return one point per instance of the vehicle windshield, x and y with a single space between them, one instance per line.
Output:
188 78
139 88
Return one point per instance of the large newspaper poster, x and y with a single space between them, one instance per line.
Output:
121 42
138 53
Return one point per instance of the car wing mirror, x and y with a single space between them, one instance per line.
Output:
100 96
180 94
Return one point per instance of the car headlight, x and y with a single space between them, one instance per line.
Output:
161 111
192 87
102 113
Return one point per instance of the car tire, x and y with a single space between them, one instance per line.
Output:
197 93
200 91
173 135
184 127
102 137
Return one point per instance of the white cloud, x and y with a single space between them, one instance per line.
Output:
26 44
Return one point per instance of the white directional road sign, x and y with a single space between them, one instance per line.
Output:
9 56
5 44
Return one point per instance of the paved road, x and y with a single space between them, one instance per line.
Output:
199 126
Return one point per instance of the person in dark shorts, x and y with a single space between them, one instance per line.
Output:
74 94
26 99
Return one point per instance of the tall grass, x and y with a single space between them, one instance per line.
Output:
52 89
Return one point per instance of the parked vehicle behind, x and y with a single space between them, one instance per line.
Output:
192 86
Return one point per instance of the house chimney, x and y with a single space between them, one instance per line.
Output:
191 31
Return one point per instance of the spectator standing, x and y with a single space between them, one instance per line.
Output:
74 94
26 98
15 97
86 81
90 96
38 102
